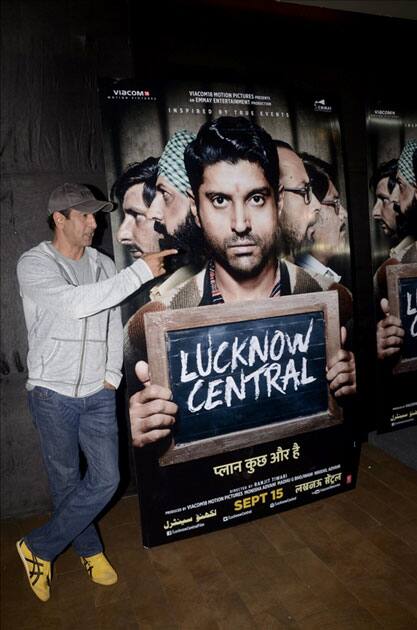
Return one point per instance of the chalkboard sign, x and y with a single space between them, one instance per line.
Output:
245 373
402 296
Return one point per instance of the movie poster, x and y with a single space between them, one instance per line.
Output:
233 476
392 157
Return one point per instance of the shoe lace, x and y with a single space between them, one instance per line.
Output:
37 570
88 565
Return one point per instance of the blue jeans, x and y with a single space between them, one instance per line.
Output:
65 425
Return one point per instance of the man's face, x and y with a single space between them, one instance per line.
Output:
297 218
330 232
238 214
173 206
137 229
407 194
78 228
383 211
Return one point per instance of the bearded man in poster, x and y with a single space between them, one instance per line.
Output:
390 333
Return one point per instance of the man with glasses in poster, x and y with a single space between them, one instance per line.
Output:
330 239
301 207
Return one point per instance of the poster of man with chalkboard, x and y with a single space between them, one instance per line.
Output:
392 162
227 167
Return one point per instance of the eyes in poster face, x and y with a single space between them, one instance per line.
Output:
298 218
383 211
238 214
137 229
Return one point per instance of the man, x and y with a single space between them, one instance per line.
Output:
70 295
390 333
174 203
406 178
135 191
406 251
330 230
233 170
384 213
300 209
174 225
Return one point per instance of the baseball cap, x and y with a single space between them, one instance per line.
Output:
78 197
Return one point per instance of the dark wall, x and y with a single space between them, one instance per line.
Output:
52 56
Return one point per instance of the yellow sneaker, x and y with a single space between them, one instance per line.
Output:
99 569
37 570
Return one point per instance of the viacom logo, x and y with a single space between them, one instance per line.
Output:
384 112
321 106
143 95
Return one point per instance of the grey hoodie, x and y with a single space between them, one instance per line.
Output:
75 332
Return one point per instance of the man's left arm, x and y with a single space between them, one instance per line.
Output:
341 370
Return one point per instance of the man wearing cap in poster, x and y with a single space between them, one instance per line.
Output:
390 332
70 294
158 184
407 199
173 185
171 209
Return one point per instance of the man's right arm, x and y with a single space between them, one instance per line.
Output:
41 280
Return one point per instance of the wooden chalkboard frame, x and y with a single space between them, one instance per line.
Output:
157 324
394 275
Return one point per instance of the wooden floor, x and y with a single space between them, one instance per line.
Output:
347 562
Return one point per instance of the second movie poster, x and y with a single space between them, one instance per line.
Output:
392 166
264 387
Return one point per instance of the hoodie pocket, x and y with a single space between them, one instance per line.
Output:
95 360
60 361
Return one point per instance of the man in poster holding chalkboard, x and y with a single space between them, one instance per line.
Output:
396 330
390 332
233 170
